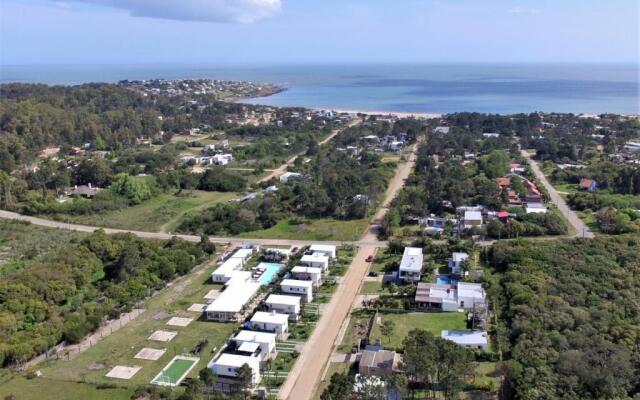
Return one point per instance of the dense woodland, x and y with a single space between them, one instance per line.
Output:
569 316
73 291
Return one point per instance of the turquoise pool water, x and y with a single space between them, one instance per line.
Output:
271 271
445 280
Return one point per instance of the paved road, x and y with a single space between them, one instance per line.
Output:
307 371
283 168
166 236
582 230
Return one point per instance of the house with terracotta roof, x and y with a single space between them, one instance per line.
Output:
589 185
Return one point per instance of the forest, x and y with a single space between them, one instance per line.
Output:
568 316
72 291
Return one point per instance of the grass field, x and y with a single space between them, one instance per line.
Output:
315 229
431 322
20 242
120 347
43 388
371 288
160 213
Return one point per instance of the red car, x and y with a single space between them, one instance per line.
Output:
369 259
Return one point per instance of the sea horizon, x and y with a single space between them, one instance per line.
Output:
500 88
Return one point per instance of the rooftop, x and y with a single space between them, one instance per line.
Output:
282 299
296 283
270 318
255 336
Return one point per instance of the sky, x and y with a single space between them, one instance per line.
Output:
249 32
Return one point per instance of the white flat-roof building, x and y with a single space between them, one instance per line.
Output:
537 208
411 264
326 249
225 271
315 260
470 294
266 341
456 261
284 305
468 339
230 303
289 175
432 296
270 322
227 365
303 289
307 274
472 218
243 254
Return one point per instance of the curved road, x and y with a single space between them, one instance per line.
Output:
307 371
582 230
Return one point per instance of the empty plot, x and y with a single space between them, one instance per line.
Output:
197 307
163 336
147 353
123 372
212 294
179 321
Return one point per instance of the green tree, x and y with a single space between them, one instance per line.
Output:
387 328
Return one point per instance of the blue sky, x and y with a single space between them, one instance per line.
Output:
235 32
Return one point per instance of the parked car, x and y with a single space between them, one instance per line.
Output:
369 259
373 273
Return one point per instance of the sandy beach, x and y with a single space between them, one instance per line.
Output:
399 114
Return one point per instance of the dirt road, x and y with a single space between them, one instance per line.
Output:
165 236
582 230
307 371
283 168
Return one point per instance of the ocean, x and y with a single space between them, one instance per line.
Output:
499 88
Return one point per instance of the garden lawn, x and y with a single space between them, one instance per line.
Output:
371 287
313 229
163 212
405 322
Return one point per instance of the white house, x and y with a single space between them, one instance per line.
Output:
468 339
411 264
307 274
470 294
284 305
432 296
441 129
227 366
491 135
326 249
303 289
456 261
289 175
229 305
226 271
270 322
221 159
537 208
472 218
266 340
243 254
315 260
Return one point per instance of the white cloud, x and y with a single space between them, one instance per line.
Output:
242 11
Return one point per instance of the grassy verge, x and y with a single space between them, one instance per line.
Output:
316 229
371 288
43 388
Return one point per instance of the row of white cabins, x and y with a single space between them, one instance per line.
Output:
255 344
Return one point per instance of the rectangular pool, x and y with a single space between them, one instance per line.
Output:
445 280
271 270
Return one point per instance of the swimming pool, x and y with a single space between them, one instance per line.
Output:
445 280
271 270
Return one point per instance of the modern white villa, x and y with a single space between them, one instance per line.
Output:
326 249
315 260
308 274
227 366
271 322
411 265
265 340
456 262
304 289
284 305
433 296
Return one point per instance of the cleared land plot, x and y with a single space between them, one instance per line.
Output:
405 322
316 229
163 336
147 353
212 294
123 372
371 288
179 321
120 347
163 212
197 307
175 371
43 388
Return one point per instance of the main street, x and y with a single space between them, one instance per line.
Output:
581 229
303 379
